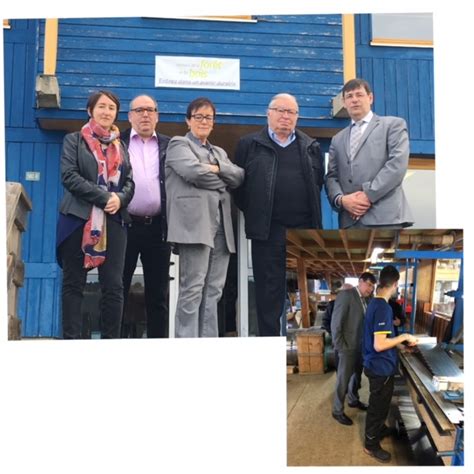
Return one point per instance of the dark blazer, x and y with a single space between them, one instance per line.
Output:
79 177
256 154
377 168
347 322
163 141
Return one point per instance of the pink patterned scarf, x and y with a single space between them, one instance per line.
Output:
109 165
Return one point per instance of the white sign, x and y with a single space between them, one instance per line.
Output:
200 73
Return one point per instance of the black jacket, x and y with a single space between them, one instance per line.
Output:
256 154
163 141
79 177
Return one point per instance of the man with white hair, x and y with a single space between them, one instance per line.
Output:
284 175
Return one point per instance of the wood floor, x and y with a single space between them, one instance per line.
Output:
314 438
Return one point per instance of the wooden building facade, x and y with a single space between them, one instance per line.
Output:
300 54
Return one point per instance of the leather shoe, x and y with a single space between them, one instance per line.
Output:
343 419
358 404
387 431
379 454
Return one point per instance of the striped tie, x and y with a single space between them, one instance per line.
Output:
356 134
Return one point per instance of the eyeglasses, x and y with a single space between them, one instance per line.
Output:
142 110
200 117
283 111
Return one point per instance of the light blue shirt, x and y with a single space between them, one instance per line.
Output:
274 138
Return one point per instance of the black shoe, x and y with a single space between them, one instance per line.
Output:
379 454
387 431
343 419
358 404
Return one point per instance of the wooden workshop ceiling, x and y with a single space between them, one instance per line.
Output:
343 253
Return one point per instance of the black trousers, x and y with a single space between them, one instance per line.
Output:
110 280
269 271
146 240
381 391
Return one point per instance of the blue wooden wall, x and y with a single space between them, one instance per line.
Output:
403 84
298 54
30 149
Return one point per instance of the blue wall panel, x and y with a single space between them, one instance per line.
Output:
402 81
301 54
30 149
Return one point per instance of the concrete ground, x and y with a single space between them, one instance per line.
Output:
314 438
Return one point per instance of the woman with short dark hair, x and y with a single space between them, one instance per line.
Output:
198 176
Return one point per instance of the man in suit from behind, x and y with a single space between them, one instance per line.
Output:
347 331
367 163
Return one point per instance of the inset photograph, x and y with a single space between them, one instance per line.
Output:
375 348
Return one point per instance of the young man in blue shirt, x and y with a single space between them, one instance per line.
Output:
381 361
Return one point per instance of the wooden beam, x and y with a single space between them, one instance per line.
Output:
368 252
348 47
303 287
50 46
345 241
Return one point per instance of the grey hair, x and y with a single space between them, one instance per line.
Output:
142 95
282 95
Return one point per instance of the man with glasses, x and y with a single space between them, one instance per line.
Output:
147 209
283 180
367 163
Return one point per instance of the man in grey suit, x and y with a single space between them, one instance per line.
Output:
347 325
367 163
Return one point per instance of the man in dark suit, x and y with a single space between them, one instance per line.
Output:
367 163
147 231
284 176
347 331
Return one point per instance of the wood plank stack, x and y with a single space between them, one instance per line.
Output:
18 206
310 349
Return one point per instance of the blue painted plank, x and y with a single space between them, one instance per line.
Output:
37 195
8 78
426 99
26 163
13 160
22 305
402 84
265 23
393 52
31 319
52 181
18 85
41 270
310 37
57 313
46 313
138 63
29 87
414 108
390 85
378 87
21 135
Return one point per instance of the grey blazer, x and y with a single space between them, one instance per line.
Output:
79 177
194 192
347 323
378 168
